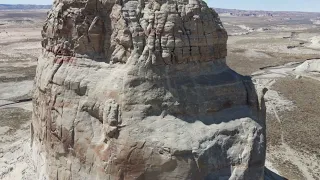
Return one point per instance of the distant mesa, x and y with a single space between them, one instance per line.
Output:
23 6
259 13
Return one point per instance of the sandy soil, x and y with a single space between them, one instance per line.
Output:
19 48
15 150
271 55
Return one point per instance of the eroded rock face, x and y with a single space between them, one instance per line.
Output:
141 90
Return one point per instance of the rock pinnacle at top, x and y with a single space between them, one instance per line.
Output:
157 32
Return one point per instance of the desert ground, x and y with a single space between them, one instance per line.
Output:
275 51
20 36
271 50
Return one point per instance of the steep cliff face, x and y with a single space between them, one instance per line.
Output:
141 90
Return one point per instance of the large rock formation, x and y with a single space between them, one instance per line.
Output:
140 90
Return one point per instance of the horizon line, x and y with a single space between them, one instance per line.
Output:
266 10
207 3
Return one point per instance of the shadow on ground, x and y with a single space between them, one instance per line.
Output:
270 175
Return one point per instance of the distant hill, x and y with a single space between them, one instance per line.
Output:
23 6
256 13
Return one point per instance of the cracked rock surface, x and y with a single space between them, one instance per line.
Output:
141 90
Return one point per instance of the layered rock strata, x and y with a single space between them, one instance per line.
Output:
140 90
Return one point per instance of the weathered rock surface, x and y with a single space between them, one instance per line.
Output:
141 90
309 66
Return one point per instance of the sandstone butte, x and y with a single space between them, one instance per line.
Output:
140 90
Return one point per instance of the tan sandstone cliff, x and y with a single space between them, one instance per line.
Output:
140 90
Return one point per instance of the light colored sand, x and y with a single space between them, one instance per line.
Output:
271 167
19 34
307 163
274 100
309 66
15 154
24 105
21 64
11 75
20 45
15 89
251 53
315 42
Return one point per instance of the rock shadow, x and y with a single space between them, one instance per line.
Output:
270 175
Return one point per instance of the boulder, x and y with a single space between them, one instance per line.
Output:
309 66
140 90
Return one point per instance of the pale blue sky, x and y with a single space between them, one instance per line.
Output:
278 5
